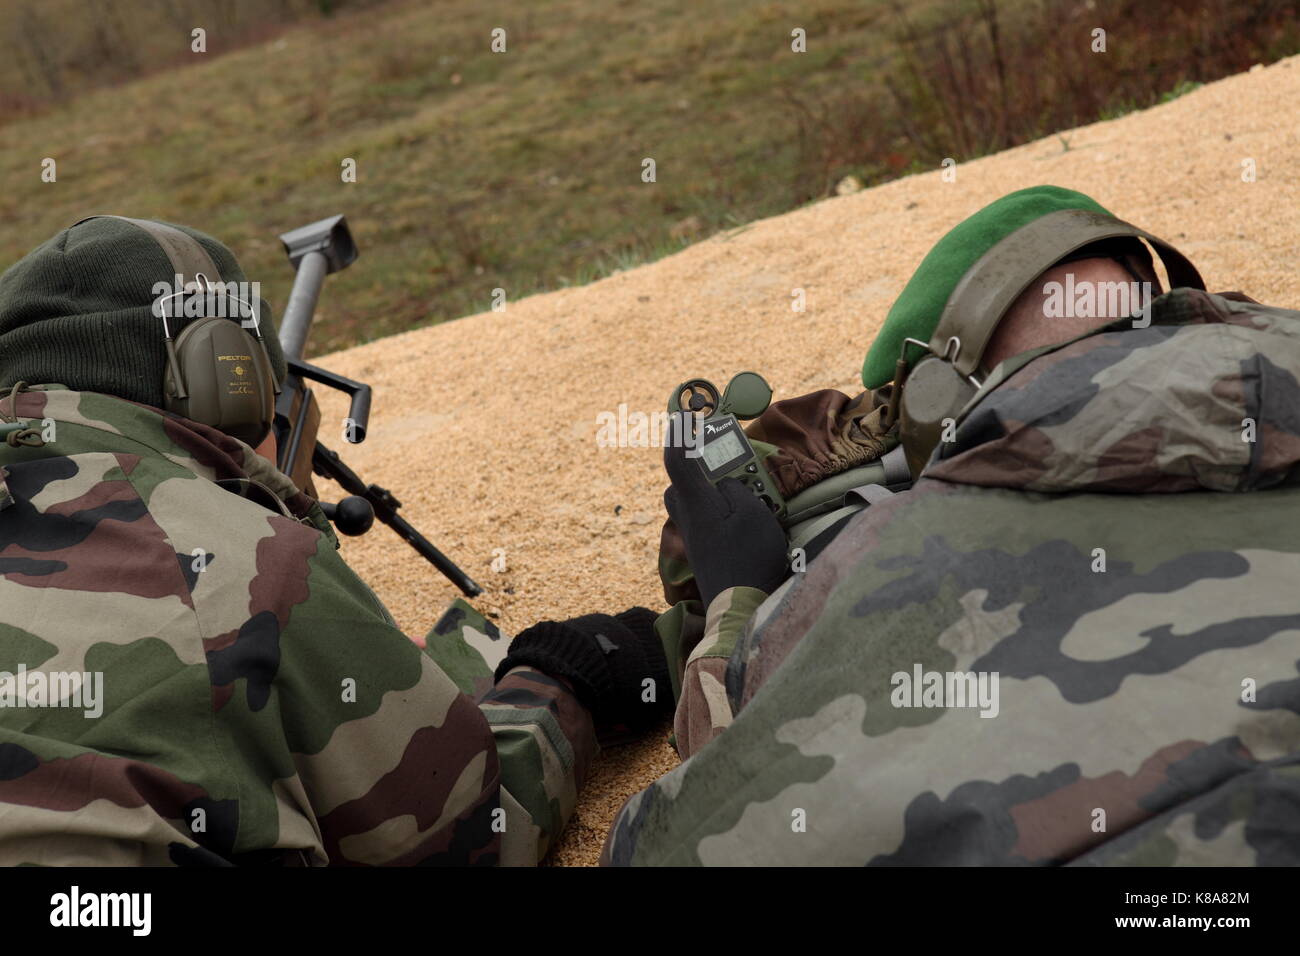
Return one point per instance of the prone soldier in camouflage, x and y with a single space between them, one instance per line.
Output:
1075 640
191 674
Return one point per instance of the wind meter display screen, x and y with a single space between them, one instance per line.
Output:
723 447
720 451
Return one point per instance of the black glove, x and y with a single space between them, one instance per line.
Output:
732 539
605 659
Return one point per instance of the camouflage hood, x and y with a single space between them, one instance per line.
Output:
1205 398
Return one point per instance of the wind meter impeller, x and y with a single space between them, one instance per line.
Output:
724 450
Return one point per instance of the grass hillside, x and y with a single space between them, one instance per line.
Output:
522 170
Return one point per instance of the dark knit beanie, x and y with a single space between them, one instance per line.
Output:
77 311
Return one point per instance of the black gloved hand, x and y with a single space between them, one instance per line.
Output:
606 659
732 539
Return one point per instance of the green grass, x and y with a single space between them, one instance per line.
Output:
479 170
1182 89
523 175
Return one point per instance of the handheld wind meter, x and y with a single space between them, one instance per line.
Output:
723 448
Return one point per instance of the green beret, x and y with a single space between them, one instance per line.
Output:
916 312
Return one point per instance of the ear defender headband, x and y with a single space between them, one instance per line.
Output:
941 382
217 373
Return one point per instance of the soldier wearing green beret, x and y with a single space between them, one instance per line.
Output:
1073 640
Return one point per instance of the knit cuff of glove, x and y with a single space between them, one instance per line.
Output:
556 649
635 661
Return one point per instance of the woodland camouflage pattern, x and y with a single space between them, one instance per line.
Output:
1125 691
226 687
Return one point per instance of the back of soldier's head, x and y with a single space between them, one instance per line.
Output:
82 309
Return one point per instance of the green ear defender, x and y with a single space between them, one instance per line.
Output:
927 398
217 373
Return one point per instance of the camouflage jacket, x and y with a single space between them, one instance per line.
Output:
1075 640
227 689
